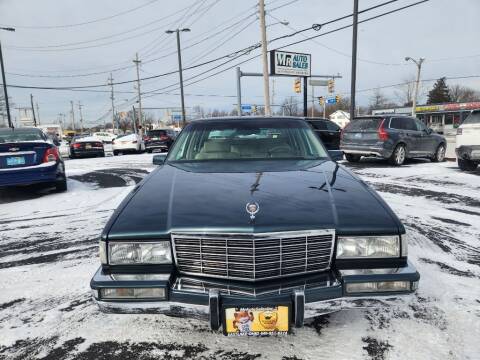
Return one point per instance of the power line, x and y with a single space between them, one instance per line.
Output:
82 23
232 56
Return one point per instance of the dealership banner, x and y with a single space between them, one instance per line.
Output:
289 63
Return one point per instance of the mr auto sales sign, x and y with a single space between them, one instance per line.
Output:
289 63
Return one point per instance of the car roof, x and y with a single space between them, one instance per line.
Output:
247 118
20 129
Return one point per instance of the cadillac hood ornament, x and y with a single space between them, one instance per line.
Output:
252 208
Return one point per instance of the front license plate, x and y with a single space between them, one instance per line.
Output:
15 161
256 320
358 136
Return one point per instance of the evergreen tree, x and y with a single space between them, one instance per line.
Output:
439 93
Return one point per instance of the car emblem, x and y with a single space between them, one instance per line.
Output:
14 149
252 208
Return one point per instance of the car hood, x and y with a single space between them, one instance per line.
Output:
323 195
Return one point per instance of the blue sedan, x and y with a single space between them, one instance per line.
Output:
27 158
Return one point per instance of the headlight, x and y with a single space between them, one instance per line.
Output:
123 253
349 247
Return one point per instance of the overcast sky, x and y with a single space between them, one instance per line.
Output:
444 32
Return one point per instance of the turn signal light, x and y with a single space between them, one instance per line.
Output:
380 286
133 293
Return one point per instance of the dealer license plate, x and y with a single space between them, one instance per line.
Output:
15 161
256 320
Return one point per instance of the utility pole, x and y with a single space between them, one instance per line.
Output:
7 104
313 101
81 116
137 62
38 112
354 60
419 69
33 111
266 85
72 113
180 70
112 97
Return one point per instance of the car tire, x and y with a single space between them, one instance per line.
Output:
61 185
115 152
149 151
353 158
398 156
439 155
466 165
103 154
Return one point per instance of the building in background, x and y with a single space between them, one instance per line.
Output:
443 118
340 117
25 116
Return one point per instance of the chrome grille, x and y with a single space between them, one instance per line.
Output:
253 257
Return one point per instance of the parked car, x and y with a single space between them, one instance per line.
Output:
132 143
106 137
160 139
327 131
86 146
468 142
27 158
250 217
392 137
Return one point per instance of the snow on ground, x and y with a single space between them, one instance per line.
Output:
48 253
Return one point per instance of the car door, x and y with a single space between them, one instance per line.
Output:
427 142
413 137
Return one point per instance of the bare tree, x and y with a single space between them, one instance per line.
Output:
290 106
459 93
378 100
405 92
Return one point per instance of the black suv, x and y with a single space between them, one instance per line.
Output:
392 137
161 139
327 131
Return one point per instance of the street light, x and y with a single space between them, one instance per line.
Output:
7 105
419 68
180 71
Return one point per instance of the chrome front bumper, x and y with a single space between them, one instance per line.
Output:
309 295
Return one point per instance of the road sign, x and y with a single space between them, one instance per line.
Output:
177 117
247 108
314 82
331 100
289 63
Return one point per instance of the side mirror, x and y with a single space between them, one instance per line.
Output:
159 159
336 155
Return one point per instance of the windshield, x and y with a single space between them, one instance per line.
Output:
254 139
473 118
19 135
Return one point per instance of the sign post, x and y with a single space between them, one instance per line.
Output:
292 64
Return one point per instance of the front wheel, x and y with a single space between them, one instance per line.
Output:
467 165
439 155
353 157
398 155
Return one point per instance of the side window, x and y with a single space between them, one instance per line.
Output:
319 125
331 126
410 124
397 123
420 125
